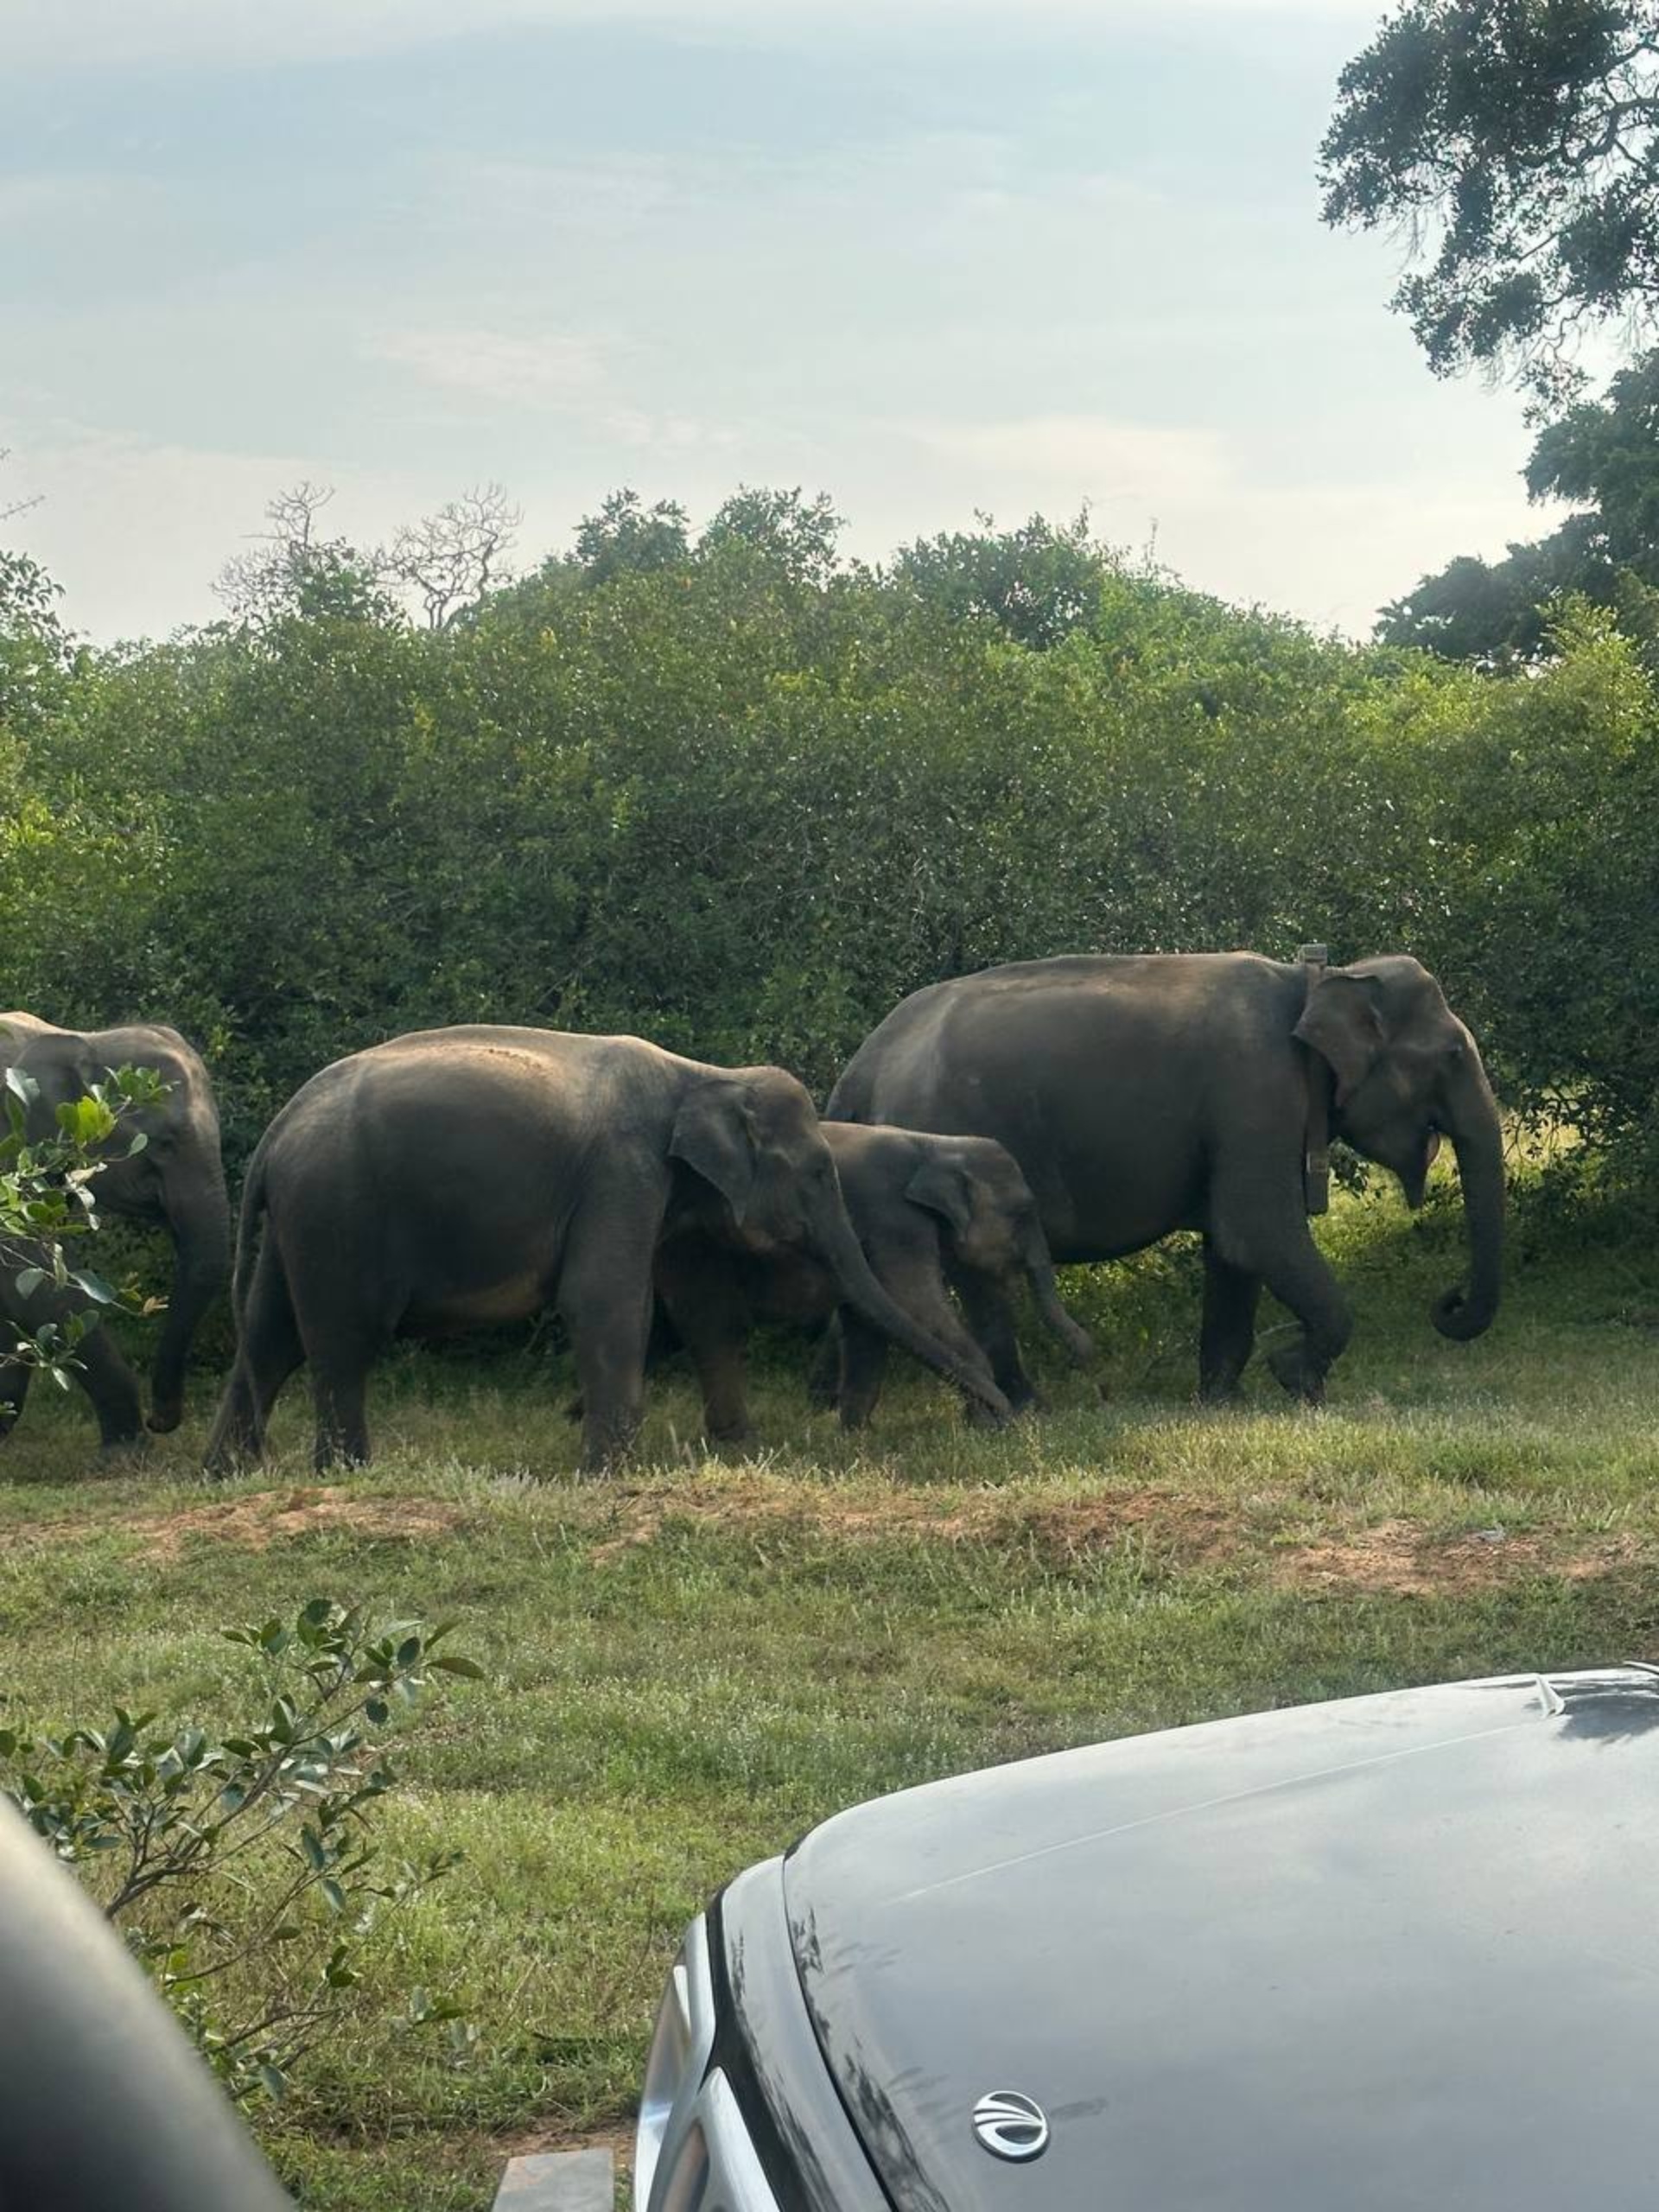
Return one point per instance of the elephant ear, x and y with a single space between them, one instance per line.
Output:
943 1189
715 1134
1342 1025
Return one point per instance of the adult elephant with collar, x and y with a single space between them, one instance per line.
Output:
1151 1092
458 1176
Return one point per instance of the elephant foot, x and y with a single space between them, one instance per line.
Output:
223 1463
162 1419
124 1447
1216 1390
739 1439
986 1420
1290 1365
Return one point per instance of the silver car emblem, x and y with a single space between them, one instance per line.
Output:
1010 2126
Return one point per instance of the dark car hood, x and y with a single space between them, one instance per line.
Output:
1397 1952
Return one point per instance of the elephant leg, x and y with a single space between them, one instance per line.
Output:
267 1353
663 1344
113 1389
606 1301
14 1377
339 1382
344 1326
722 1359
823 1376
863 1363
1295 1273
990 1318
704 1309
1230 1296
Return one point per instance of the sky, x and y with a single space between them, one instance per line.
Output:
934 256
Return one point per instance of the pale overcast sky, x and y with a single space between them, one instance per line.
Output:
929 256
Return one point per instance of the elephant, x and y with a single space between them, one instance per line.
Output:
926 1209
177 1182
480 1174
1146 1093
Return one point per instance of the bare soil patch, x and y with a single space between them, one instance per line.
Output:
262 1519
1400 1558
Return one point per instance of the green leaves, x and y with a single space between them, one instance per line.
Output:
1527 135
243 1867
46 1190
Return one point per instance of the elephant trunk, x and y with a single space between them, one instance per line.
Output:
1039 1273
1478 1139
858 1288
199 1216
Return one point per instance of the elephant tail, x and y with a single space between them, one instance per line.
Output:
247 1234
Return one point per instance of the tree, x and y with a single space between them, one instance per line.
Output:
1493 613
300 572
454 558
625 537
1037 582
785 531
1526 132
1603 454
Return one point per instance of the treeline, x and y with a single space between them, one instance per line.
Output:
730 794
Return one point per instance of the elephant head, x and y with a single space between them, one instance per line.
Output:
1405 1072
974 1185
751 1140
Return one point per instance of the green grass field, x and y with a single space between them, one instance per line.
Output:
690 1665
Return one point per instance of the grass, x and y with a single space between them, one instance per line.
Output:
690 1665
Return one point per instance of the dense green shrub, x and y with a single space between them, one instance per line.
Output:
732 800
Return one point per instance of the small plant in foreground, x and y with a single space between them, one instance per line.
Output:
47 1196
240 1867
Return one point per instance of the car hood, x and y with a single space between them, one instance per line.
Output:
1395 1952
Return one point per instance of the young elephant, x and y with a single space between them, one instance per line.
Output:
926 1209
176 1183
479 1175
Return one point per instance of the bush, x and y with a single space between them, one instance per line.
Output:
240 1864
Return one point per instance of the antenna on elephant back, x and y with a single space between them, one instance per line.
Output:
1316 1151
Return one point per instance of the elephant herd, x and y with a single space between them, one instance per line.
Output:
1070 1109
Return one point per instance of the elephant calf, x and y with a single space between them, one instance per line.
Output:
176 1183
927 1210
479 1175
